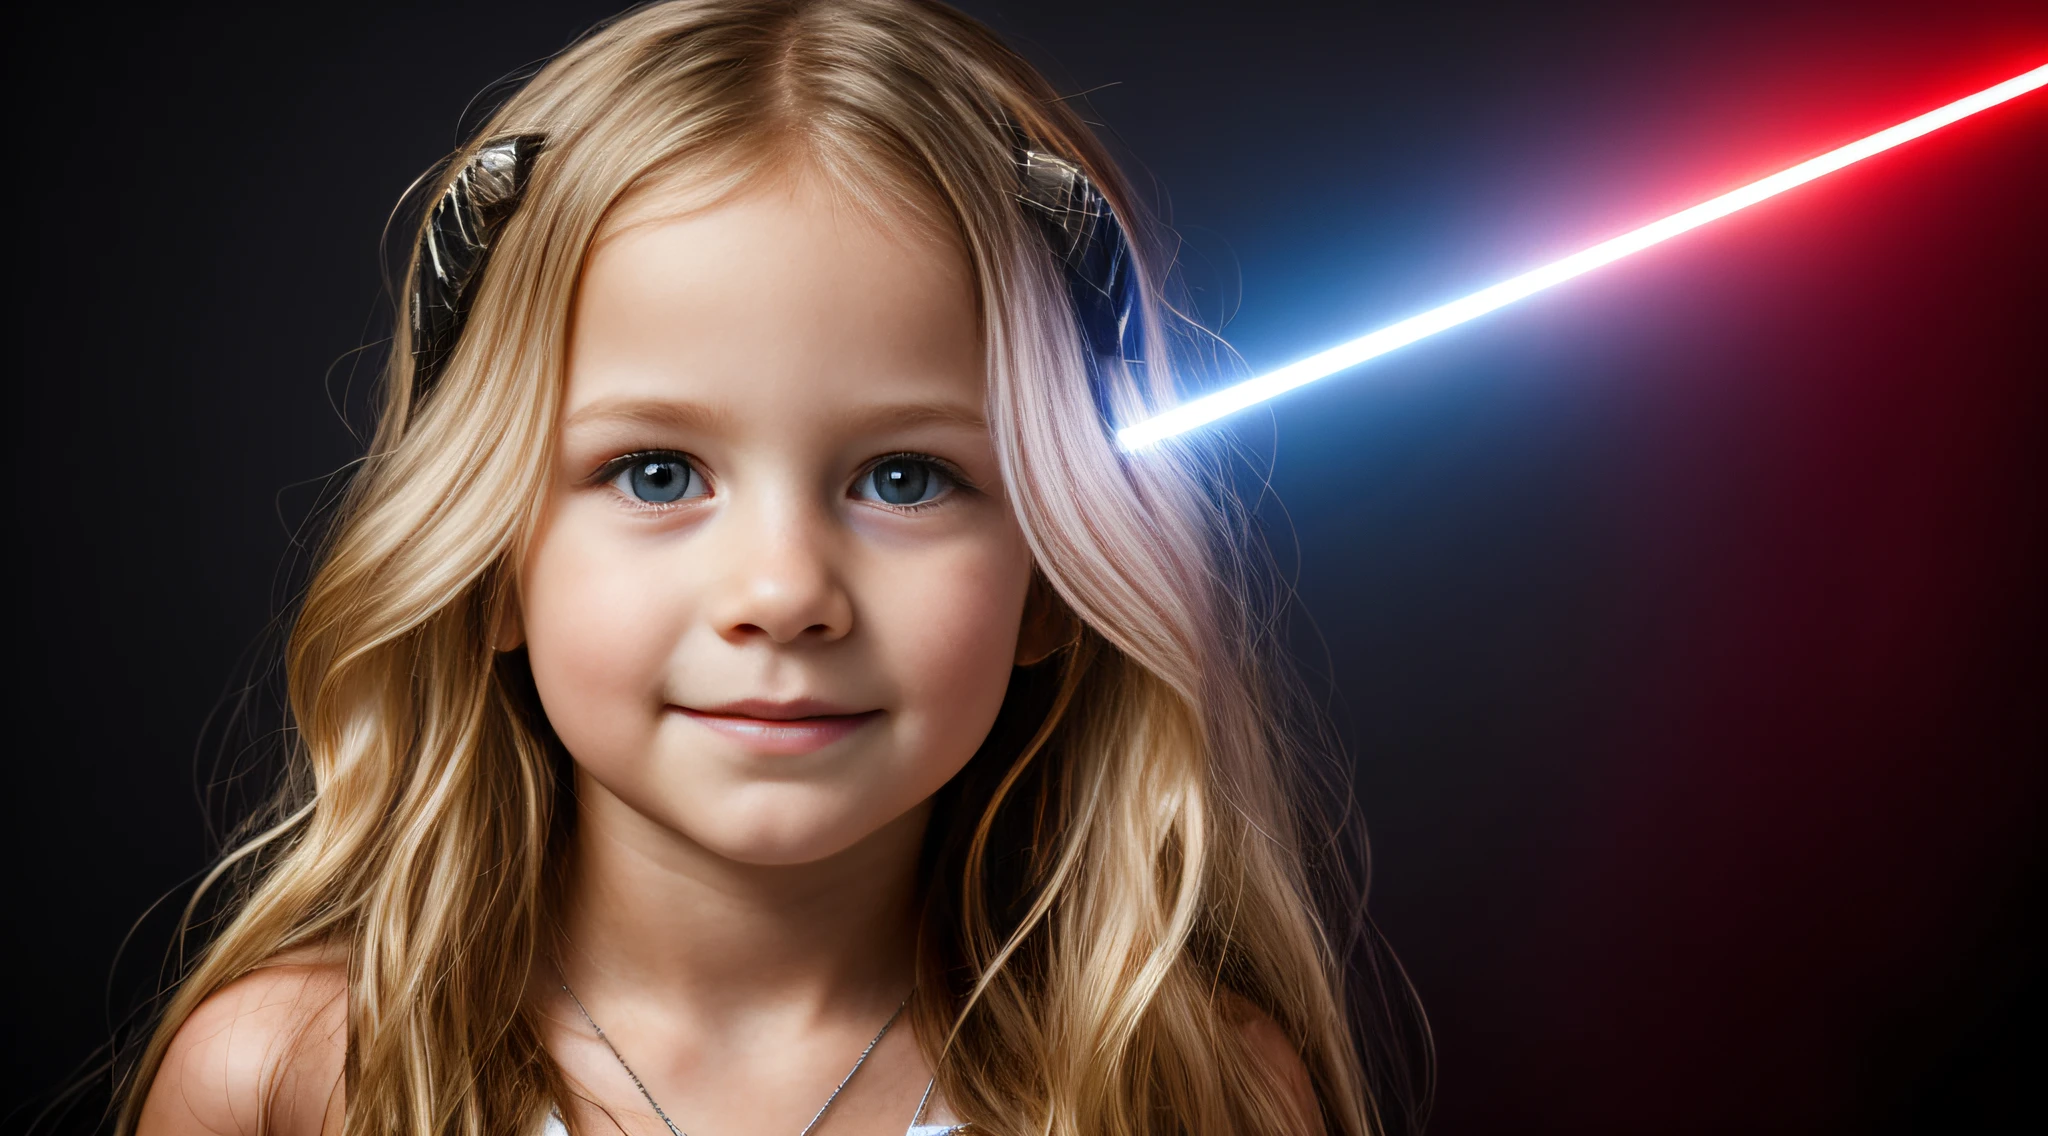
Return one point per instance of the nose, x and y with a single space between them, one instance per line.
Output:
780 582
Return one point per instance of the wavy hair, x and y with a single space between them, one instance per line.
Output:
1117 882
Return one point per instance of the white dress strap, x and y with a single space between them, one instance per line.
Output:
917 1125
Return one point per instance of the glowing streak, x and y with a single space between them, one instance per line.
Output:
1230 400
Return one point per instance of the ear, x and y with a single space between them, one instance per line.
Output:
1049 625
509 633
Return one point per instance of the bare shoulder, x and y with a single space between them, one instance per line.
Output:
263 1053
1269 1045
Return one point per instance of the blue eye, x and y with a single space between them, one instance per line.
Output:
659 479
904 481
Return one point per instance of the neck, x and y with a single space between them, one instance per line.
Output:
650 914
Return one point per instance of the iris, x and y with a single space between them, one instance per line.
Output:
660 481
904 481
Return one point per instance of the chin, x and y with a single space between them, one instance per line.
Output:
791 852
782 840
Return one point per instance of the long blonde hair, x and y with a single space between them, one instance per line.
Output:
1116 882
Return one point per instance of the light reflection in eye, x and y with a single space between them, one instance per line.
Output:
660 479
904 481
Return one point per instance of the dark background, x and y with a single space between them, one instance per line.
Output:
1687 622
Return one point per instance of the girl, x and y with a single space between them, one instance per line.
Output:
745 688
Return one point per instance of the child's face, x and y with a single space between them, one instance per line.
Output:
776 596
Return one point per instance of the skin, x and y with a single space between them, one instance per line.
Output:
761 682
740 916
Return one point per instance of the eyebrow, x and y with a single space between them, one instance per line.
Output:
906 415
649 412
697 417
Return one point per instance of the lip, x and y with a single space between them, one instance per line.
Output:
780 728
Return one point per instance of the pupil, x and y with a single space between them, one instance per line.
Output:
902 482
660 482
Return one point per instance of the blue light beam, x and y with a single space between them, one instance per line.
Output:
1208 408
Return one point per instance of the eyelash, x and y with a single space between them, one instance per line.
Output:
947 469
610 471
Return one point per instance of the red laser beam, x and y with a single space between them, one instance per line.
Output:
1208 408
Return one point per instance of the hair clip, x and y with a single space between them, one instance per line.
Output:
1089 242
457 242
1079 227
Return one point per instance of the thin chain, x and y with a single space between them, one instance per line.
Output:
857 1063
822 1109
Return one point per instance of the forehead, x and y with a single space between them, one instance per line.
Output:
786 290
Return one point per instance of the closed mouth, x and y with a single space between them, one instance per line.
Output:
773 729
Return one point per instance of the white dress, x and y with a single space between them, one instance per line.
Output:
555 1127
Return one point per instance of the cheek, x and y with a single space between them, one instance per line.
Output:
596 641
949 640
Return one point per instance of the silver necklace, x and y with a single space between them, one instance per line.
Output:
822 1109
